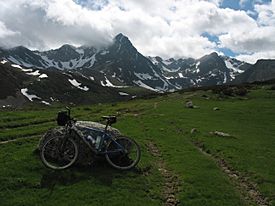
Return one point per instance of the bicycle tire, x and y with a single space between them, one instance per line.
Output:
122 161
46 155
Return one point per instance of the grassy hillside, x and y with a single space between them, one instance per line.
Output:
198 168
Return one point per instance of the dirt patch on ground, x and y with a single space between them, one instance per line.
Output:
248 189
171 182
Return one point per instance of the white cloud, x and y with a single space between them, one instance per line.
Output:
4 31
252 58
168 28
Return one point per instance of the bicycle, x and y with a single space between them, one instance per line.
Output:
61 152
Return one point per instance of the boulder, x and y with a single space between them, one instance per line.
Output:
189 104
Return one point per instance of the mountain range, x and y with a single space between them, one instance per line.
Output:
76 74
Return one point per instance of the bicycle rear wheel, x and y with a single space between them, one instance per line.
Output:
122 153
56 158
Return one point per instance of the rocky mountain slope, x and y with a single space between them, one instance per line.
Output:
117 66
263 70
19 85
120 64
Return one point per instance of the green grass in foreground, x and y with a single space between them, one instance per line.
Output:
165 121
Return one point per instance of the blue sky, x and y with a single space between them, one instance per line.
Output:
239 28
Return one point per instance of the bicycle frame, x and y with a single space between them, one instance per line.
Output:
104 139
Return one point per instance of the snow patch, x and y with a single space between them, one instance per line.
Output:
225 78
143 76
180 75
141 84
153 60
166 62
92 78
230 66
44 102
110 84
43 76
80 51
123 94
19 67
16 66
197 67
35 73
78 85
24 91
4 61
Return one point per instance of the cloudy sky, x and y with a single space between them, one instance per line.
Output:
244 29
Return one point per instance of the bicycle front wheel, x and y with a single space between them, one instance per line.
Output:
122 153
56 158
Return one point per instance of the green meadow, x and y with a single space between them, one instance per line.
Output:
248 151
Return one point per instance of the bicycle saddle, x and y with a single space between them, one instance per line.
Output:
110 119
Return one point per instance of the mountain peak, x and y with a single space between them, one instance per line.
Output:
122 39
120 36
122 43
66 47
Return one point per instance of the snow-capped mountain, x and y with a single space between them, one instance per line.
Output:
120 65
208 70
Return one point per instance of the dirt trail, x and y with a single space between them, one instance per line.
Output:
248 190
171 183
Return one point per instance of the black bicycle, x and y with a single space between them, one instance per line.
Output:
60 152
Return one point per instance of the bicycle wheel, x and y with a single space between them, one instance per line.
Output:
122 153
52 156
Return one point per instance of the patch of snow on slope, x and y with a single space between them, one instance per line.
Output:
16 66
197 67
164 68
225 78
44 102
153 60
141 84
19 67
43 76
180 75
230 66
4 61
171 77
93 60
123 94
143 76
92 78
80 51
109 84
166 62
78 85
35 73
24 91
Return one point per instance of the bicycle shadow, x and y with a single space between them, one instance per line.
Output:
100 173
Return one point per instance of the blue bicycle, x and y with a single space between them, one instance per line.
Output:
60 152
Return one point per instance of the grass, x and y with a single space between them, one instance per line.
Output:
165 121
